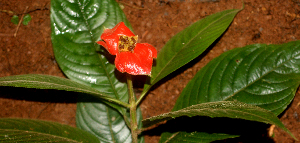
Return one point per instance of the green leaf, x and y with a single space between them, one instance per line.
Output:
263 75
104 122
26 19
15 19
230 109
52 82
199 137
76 26
190 43
26 130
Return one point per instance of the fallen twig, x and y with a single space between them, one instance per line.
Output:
7 11
15 35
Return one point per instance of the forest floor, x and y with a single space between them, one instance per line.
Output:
155 21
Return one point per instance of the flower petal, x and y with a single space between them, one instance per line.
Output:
149 47
137 63
102 43
111 37
127 62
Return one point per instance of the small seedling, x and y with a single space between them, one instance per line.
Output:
15 19
26 19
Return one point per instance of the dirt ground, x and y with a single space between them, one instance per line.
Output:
155 21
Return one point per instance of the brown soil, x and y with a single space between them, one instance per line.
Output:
262 21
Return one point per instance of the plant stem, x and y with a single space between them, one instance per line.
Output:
116 101
141 97
133 120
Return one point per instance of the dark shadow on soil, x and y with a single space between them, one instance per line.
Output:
38 95
249 131
46 95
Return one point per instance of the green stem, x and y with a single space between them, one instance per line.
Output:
116 101
133 120
141 96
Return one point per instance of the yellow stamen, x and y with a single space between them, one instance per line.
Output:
127 43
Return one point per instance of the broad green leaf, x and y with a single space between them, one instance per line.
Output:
76 26
193 137
52 82
15 19
27 130
263 75
190 43
230 109
107 126
26 19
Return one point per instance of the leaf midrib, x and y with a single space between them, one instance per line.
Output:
171 114
171 137
106 73
100 59
53 84
110 125
166 65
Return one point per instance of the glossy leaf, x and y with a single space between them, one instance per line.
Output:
26 19
104 122
263 75
198 137
27 130
76 26
190 43
230 109
52 82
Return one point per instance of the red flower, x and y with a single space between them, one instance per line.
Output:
131 57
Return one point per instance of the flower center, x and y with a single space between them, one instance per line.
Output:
127 44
